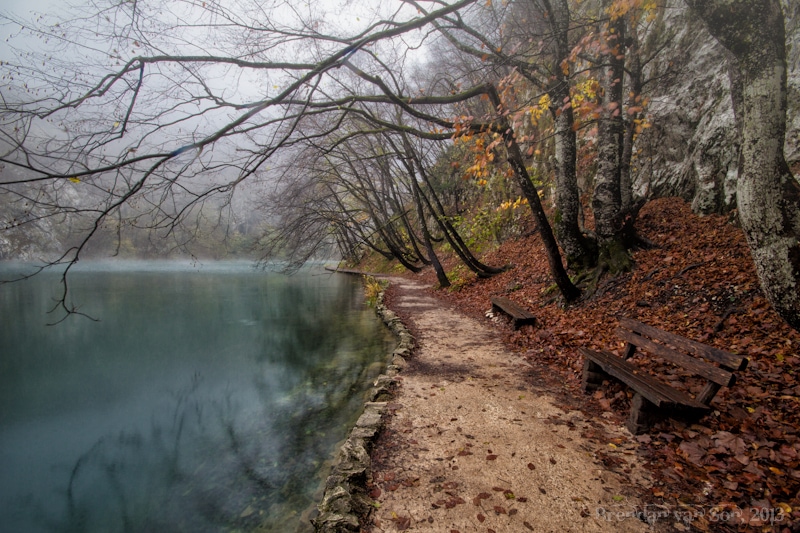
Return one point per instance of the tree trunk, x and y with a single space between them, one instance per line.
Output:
579 253
607 197
409 164
515 159
565 285
441 275
629 123
767 194
414 241
437 210
450 233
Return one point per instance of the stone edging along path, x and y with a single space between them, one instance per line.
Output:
345 498
469 440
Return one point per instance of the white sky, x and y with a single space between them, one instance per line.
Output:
350 17
24 9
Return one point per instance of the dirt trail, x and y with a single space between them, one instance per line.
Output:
473 444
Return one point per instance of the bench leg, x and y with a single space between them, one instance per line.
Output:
593 376
643 415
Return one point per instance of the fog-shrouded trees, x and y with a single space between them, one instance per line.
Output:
145 116
161 106
153 111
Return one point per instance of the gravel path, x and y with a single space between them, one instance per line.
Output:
473 444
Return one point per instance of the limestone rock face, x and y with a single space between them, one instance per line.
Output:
691 150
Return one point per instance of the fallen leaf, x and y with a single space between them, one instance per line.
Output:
402 522
692 452
734 444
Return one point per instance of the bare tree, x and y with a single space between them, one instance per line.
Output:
607 197
173 93
149 109
137 108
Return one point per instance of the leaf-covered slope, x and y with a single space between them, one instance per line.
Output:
700 283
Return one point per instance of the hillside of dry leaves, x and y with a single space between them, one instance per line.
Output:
739 465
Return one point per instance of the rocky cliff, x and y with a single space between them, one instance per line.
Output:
691 150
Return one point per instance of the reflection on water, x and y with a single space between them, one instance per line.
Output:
206 398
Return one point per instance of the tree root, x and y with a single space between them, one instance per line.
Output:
684 270
614 259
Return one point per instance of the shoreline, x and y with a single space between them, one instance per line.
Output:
529 461
345 501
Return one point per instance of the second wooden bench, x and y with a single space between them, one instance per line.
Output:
654 398
519 315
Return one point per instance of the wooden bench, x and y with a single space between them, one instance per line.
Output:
519 315
653 398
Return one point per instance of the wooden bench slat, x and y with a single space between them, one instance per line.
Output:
519 315
696 366
658 393
727 359
653 397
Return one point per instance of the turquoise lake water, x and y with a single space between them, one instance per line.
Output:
206 398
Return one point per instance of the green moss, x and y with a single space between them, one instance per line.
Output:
614 257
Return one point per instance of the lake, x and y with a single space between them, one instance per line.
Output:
207 397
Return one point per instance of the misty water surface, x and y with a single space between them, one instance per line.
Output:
206 398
